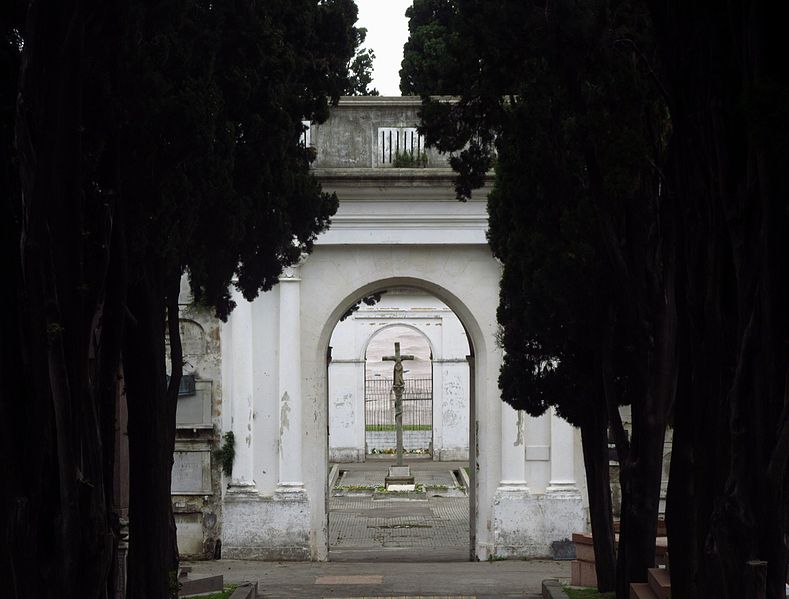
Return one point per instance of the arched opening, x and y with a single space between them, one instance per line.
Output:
379 398
366 521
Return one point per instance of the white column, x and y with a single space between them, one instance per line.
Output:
437 370
562 455
289 371
513 451
241 396
360 420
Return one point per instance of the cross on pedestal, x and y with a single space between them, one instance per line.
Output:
398 384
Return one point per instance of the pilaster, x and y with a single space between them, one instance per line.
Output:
513 454
290 484
562 456
241 399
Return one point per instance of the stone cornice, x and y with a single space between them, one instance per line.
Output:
421 221
394 184
379 101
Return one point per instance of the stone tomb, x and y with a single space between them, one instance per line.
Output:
191 472
399 479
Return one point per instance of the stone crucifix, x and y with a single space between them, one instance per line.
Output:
398 385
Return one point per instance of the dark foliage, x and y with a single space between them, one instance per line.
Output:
565 96
728 86
139 141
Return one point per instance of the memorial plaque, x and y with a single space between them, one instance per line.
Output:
192 338
194 411
191 473
538 453
189 531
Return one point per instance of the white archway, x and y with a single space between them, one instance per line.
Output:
404 274
393 229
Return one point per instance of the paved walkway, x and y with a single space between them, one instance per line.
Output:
366 525
323 580
384 546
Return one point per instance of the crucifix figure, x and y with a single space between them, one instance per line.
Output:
398 385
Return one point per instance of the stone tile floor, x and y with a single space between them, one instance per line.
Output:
429 525
434 522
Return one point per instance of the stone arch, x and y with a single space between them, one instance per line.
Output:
376 332
464 314
485 474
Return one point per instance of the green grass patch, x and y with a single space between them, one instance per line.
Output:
225 594
387 428
587 593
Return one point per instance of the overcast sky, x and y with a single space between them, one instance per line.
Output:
387 31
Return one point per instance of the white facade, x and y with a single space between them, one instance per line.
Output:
395 228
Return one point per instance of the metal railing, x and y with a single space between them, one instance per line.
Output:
379 413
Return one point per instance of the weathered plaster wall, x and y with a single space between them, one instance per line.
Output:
197 475
350 138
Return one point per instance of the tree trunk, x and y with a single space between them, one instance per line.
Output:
113 316
642 468
594 441
724 72
153 552
640 482
64 251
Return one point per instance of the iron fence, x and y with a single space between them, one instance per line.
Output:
379 413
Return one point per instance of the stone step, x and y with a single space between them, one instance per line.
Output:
641 590
660 582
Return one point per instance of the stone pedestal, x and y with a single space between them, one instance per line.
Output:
400 479
528 524
266 528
